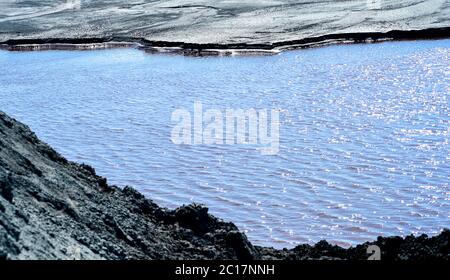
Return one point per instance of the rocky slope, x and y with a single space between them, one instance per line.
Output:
206 24
51 208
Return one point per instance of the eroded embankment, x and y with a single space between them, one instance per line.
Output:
195 49
51 208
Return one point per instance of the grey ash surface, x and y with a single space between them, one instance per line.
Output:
217 23
51 208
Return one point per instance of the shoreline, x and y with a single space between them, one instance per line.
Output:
51 208
244 49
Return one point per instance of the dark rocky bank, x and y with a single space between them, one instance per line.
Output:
51 208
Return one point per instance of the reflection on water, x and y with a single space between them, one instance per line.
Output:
364 136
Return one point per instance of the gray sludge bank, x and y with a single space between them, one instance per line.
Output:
51 208
205 27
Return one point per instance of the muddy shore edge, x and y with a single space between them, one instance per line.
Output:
210 49
51 208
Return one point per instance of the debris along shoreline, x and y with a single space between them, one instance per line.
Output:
194 49
51 208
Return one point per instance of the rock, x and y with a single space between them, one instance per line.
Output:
89 169
196 218
6 190
243 248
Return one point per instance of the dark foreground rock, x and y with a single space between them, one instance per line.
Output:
51 208
204 24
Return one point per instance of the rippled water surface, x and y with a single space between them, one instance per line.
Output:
364 136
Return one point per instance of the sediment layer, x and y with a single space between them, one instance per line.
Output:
217 27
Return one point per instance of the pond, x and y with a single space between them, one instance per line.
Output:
363 144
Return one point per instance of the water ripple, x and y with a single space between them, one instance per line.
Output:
364 133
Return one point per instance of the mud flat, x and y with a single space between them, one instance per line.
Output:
217 27
51 208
